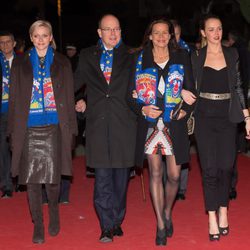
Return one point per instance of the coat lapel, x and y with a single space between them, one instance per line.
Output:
229 64
97 55
200 64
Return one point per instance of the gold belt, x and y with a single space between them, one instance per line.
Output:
213 96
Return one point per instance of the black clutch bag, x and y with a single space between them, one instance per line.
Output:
176 110
190 120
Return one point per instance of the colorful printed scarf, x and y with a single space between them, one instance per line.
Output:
146 82
183 45
42 106
5 82
106 60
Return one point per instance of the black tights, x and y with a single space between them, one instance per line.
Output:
163 200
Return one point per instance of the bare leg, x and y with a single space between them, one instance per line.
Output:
223 221
213 225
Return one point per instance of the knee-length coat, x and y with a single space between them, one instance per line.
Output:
110 124
19 105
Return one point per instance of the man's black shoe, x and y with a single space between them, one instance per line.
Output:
106 236
6 194
180 196
117 231
233 194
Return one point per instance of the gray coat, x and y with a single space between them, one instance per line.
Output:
110 124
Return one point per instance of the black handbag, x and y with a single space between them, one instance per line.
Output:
190 120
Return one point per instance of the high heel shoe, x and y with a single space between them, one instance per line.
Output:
214 237
224 231
169 227
161 237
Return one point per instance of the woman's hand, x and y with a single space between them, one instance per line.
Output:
151 111
80 106
188 97
134 94
247 129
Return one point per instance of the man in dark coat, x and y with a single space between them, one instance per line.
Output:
235 40
7 44
110 125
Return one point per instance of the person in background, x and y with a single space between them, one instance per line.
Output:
177 33
71 53
160 62
42 124
20 46
185 167
236 41
7 54
219 107
110 124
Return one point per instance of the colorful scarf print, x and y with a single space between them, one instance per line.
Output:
183 45
42 106
146 82
5 83
174 82
106 60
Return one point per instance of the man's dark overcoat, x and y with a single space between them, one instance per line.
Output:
110 124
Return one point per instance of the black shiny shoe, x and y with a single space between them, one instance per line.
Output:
6 194
161 237
224 231
117 231
180 196
106 236
214 237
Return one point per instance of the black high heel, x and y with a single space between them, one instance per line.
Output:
224 231
214 237
161 237
169 226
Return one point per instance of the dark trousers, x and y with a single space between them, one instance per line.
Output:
183 178
5 156
110 195
64 190
217 147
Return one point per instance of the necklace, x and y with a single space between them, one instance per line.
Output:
161 57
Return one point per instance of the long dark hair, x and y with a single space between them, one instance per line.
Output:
172 45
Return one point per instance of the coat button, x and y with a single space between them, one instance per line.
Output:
61 105
107 96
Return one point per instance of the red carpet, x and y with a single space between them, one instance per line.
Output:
80 228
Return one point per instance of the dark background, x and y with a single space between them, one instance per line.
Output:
79 18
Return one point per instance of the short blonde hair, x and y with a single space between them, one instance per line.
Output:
45 24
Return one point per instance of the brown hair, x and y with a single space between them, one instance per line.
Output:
172 45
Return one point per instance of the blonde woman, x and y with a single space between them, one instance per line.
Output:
41 124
